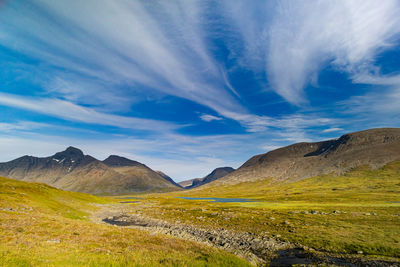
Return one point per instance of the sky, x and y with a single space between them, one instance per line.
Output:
186 86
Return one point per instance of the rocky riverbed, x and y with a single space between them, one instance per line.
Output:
258 250
254 249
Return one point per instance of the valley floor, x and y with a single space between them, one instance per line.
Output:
43 226
354 218
351 220
258 250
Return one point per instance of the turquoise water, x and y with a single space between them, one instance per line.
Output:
218 199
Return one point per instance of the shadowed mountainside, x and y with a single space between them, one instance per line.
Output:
214 175
374 147
72 170
169 179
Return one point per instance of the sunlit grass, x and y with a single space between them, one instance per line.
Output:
43 226
353 212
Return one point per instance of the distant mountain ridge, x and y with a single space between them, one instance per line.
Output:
166 177
72 170
374 147
214 175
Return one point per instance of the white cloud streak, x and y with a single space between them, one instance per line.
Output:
93 54
72 112
306 35
165 46
21 126
332 130
152 48
208 118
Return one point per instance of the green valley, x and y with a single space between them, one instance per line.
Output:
44 226
354 214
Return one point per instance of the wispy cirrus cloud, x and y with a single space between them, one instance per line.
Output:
307 35
21 126
167 47
247 63
329 130
291 41
208 118
72 112
151 50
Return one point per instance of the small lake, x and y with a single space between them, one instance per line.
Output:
129 198
129 202
218 199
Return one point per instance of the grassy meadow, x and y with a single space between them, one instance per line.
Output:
356 214
44 226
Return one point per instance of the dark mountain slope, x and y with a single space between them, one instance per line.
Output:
169 179
374 147
214 175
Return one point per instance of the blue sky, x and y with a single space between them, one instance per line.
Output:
187 86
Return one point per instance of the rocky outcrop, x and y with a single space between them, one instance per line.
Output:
247 245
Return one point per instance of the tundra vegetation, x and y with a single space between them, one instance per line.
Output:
356 214
44 226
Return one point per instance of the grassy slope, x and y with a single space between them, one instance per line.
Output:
50 227
283 212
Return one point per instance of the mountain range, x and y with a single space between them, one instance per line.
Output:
72 170
214 175
374 148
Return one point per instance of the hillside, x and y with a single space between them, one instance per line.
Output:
72 170
169 179
44 226
214 175
374 148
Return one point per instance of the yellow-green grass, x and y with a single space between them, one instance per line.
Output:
356 195
44 226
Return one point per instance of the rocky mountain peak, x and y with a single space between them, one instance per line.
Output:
71 153
72 170
117 161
